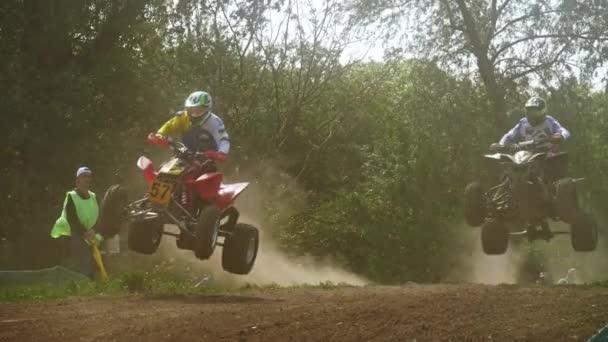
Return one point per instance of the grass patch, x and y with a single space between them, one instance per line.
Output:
145 283
151 283
49 291
601 283
326 285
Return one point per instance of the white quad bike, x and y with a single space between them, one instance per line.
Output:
527 196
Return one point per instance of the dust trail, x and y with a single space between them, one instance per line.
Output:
554 258
476 267
272 267
557 256
590 266
270 193
275 267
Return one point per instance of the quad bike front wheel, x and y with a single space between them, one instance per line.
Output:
145 235
240 249
474 208
206 232
494 237
583 233
112 207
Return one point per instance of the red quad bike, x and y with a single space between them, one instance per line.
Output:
531 191
187 192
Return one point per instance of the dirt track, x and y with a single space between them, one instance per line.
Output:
430 312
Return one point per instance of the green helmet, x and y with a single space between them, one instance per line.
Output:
198 99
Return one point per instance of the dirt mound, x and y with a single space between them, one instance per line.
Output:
413 312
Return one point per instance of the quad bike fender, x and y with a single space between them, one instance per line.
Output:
555 155
494 156
208 185
537 156
147 166
228 194
499 157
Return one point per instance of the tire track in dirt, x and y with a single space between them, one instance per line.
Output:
413 312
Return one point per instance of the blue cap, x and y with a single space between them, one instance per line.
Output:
83 171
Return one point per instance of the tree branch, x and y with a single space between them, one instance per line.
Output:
471 29
522 18
234 34
540 66
543 36
502 7
493 21
453 24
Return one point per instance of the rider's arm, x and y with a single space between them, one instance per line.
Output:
513 135
220 135
174 126
556 127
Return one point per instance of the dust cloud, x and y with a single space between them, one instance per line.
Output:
554 258
271 267
559 257
474 266
270 193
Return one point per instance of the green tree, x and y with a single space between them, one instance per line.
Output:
508 40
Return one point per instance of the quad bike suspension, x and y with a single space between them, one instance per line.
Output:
543 233
501 200
184 199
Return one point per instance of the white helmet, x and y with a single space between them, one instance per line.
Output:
198 99
535 110
536 102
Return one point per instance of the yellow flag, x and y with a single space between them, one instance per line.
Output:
99 261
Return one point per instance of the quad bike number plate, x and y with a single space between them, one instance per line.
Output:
160 192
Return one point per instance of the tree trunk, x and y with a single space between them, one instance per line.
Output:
495 93
479 48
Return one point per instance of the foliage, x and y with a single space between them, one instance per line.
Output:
144 283
508 43
380 150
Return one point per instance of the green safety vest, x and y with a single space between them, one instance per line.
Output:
87 211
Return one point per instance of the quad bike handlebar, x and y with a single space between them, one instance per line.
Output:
182 151
542 144
155 139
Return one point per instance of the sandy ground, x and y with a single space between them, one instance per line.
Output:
407 313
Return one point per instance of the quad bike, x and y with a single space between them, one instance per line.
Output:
531 191
186 191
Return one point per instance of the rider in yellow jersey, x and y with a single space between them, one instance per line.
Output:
199 128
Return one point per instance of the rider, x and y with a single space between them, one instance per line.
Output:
200 129
536 125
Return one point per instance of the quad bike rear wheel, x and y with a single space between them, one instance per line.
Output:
113 204
474 208
494 237
240 249
145 235
583 233
566 200
206 232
